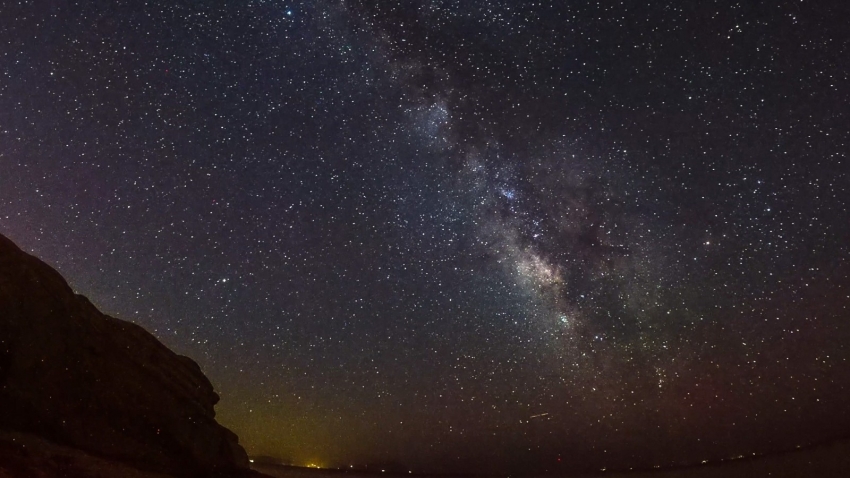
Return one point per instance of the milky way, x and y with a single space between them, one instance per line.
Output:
455 235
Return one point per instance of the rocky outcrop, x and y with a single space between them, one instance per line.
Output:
79 378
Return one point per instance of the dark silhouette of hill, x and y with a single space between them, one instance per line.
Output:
78 386
824 460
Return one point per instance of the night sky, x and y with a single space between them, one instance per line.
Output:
458 235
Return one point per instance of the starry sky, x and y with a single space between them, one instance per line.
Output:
458 235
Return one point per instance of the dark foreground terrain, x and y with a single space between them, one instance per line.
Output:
84 394
825 461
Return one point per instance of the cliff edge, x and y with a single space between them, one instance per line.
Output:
81 379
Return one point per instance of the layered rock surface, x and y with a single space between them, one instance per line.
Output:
79 378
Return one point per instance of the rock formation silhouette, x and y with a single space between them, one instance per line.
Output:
81 379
